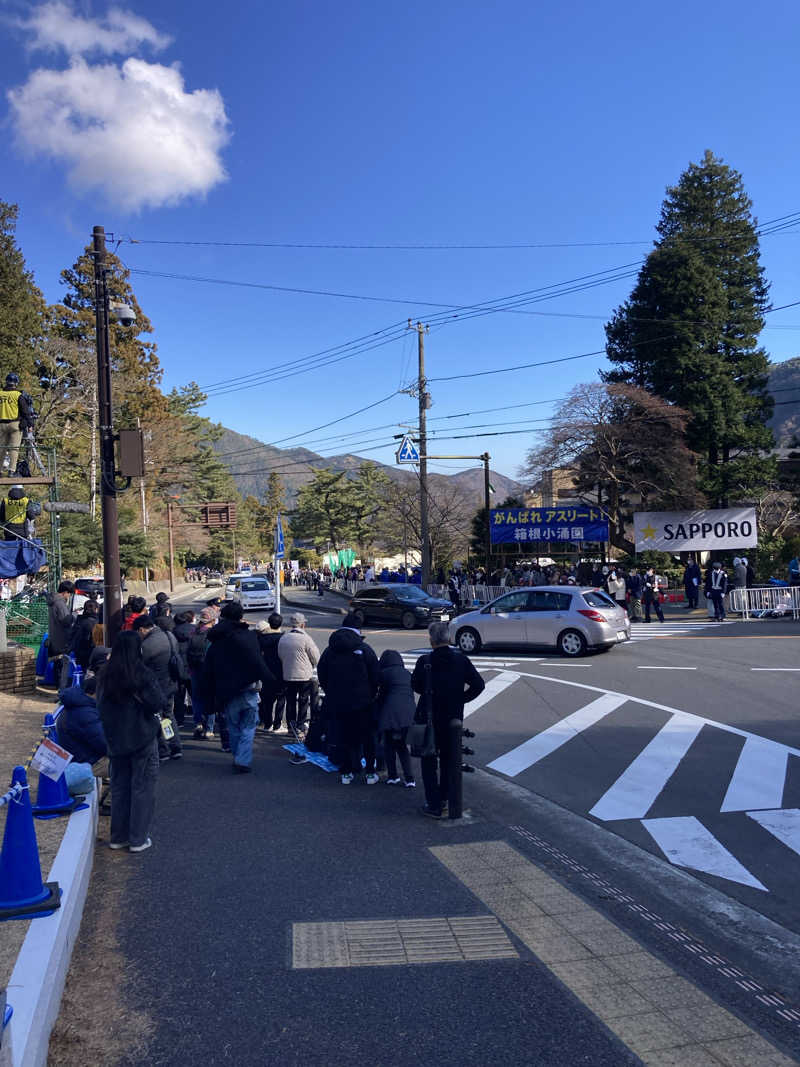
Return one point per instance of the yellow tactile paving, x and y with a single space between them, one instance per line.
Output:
396 942
661 1016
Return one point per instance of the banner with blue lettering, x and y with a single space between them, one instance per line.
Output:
568 524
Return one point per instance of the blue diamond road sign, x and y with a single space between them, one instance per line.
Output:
279 548
407 452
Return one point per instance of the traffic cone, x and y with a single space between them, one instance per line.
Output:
22 893
52 797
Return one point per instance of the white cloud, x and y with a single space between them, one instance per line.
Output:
129 132
55 26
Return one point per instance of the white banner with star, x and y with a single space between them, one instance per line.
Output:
695 531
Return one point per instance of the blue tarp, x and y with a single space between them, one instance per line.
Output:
21 557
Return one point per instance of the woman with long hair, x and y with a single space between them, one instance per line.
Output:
129 700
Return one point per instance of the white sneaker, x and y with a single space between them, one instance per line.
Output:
118 844
209 735
372 779
411 785
393 781
347 779
142 847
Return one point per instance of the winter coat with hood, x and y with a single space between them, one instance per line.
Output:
183 633
396 705
130 720
82 642
80 730
454 681
268 643
233 663
348 672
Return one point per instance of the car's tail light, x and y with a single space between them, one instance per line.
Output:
595 616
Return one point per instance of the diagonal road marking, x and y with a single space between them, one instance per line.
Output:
636 789
758 778
536 748
687 843
494 687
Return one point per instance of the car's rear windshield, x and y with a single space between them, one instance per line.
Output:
598 600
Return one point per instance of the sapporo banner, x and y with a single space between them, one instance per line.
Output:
695 531
572 524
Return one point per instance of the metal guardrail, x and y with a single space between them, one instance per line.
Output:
767 601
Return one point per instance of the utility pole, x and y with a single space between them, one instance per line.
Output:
112 593
424 404
171 538
487 489
93 459
143 502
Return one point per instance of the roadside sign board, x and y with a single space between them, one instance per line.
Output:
695 531
566 524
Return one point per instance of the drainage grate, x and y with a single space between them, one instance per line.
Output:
394 942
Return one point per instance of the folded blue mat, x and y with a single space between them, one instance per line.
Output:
312 757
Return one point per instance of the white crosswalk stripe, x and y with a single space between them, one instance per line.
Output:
646 631
756 784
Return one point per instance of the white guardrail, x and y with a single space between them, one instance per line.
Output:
772 601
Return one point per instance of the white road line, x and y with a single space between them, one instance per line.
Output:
758 778
535 749
785 825
666 668
559 663
687 843
636 789
791 669
494 687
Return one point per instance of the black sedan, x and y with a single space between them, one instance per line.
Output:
404 605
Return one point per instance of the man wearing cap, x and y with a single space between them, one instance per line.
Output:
299 657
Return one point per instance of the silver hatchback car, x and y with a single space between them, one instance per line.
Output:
568 618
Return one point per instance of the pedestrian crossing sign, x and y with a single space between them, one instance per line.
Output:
407 452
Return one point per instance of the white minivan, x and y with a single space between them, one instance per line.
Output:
254 593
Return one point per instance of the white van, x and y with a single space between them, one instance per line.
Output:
254 592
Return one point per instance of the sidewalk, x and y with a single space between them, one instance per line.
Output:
299 597
282 918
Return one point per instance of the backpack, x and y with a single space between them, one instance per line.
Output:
176 666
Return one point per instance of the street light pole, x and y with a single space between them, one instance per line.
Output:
112 593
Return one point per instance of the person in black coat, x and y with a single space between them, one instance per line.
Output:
716 588
396 709
183 631
232 669
348 672
691 583
79 728
81 643
129 700
454 681
269 634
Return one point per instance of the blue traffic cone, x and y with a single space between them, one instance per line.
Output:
22 893
52 797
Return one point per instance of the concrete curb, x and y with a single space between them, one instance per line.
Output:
37 981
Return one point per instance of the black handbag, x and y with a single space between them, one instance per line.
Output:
420 734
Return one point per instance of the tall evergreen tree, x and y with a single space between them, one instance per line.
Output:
689 331
22 306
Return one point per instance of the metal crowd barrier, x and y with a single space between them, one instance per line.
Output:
771 601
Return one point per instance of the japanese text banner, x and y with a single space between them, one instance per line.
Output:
569 524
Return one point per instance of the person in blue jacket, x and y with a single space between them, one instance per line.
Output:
79 728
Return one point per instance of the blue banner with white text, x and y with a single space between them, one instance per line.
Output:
568 525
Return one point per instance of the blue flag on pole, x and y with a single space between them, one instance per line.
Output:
279 547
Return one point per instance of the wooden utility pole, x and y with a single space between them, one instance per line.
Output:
424 404
112 593
171 547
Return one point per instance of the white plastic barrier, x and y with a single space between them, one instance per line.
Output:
771 601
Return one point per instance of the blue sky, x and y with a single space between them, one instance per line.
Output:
389 124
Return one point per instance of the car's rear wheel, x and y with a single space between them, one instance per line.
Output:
468 640
360 617
408 620
571 643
